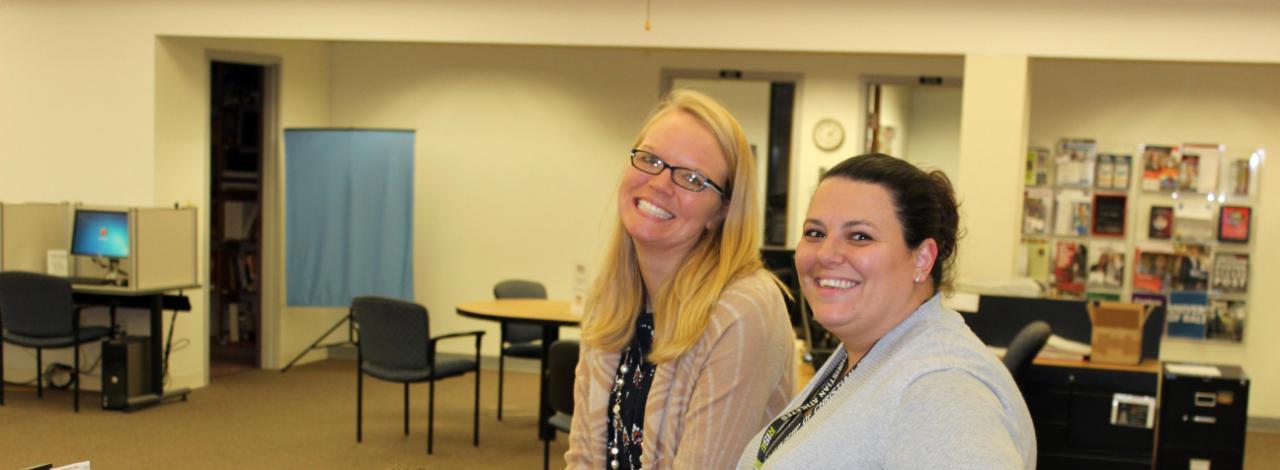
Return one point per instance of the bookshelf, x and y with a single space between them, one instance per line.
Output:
1167 224
236 198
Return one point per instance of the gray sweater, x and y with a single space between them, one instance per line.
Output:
928 395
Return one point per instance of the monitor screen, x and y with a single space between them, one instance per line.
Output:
100 233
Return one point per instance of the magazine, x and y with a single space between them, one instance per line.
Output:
1069 267
1037 207
1073 213
1074 160
1188 314
1106 265
1226 320
1039 166
1231 272
1159 168
1198 170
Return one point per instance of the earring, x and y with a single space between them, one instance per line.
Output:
917 279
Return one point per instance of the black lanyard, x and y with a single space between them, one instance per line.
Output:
782 427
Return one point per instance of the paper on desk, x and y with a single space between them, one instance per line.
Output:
74 466
1194 369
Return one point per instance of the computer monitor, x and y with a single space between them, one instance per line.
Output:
100 233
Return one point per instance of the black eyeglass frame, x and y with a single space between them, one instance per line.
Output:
707 183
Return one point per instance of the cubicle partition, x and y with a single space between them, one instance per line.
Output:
999 318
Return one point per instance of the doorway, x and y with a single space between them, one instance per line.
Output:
240 130
764 104
916 119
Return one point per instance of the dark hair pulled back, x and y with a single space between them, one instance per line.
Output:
924 202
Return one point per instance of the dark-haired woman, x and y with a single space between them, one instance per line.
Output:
911 386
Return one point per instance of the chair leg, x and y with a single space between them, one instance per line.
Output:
1 373
406 408
546 454
475 414
39 373
431 414
75 375
501 372
359 401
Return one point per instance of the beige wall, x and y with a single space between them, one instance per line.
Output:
519 149
87 112
1124 104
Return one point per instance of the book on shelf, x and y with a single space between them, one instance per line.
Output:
1073 162
1159 167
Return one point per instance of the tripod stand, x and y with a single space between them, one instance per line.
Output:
351 335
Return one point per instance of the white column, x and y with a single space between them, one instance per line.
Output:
993 141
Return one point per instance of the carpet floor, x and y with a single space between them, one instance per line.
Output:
306 419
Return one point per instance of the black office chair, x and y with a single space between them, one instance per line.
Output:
395 344
561 362
519 339
36 311
1025 346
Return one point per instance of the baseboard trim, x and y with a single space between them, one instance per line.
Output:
1264 424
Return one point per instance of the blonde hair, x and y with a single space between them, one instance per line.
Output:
720 256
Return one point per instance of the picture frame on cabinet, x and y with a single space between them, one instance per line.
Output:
1233 224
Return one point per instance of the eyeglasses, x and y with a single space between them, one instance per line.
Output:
683 177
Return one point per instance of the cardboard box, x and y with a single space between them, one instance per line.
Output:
1117 332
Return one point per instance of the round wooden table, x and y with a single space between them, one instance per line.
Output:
550 315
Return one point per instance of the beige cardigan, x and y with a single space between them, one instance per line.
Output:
704 406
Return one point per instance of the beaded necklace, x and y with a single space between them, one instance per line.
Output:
627 398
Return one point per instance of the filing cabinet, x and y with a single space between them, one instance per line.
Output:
1202 417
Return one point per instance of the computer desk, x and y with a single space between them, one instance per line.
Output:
155 301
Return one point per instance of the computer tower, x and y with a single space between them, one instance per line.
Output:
126 371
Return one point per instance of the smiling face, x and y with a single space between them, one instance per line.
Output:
661 217
855 268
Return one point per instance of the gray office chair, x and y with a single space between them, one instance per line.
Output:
1025 346
36 311
519 339
561 362
395 344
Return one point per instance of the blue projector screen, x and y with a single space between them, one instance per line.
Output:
100 233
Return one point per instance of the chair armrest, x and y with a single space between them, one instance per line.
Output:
431 343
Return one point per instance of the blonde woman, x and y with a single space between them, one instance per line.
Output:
686 346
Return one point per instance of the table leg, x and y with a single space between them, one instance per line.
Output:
157 346
550 333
